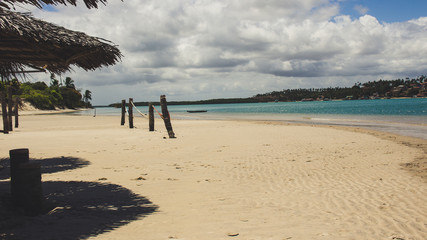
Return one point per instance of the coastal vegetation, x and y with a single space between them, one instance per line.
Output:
56 95
416 87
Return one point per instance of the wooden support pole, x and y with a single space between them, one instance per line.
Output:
4 113
151 117
10 108
123 112
16 112
130 112
166 117
26 187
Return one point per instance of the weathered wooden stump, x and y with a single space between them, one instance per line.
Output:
151 117
17 157
26 185
123 112
130 112
166 117
30 195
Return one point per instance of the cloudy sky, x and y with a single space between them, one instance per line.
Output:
204 49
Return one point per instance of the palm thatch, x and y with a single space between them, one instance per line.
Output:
7 4
28 42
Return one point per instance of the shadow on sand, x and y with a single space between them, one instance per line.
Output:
48 165
74 209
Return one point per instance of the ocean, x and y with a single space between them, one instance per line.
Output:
402 116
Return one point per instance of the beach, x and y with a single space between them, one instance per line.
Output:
219 179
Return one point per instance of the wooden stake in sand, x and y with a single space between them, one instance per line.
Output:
166 117
123 112
4 113
151 117
130 112
17 157
16 112
9 110
25 183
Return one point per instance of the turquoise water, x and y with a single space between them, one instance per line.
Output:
413 107
381 107
402 116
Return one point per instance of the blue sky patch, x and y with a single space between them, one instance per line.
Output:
385 10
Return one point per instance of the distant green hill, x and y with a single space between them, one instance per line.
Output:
369 90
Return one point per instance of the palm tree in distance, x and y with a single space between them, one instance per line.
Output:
53 81
69 83
86 97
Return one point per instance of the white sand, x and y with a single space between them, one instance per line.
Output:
235 180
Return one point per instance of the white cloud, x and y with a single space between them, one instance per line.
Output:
198 49
362 10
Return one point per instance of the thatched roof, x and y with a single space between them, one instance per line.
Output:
39 3
26 41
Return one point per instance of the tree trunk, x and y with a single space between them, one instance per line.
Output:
10 108
4 113
16 112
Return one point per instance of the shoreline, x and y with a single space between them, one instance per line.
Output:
405 117
28 109
220 179
46 112
402 125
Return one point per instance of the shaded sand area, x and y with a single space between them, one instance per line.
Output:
218 180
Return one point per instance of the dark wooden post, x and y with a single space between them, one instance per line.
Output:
26 187
16 112
130 112
4 113
123 112
10 108
151 117
17 156
166 117
30 188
